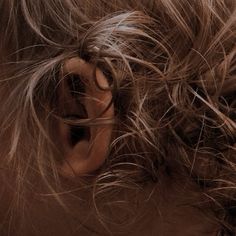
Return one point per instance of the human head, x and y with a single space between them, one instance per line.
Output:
169 68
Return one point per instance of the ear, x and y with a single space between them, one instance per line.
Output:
84 148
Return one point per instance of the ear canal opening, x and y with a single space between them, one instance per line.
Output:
78 134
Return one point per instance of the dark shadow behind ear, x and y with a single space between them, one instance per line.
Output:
84 148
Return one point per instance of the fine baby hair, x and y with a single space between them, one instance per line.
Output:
118 117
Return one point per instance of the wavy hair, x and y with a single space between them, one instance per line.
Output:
171 66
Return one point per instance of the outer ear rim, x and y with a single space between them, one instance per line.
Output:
88 156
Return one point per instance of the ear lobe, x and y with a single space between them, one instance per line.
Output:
91 149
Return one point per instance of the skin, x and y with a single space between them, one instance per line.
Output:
88 155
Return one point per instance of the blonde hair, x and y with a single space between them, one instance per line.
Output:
172 71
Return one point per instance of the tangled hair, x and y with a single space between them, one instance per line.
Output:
171 67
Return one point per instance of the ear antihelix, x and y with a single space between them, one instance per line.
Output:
86 148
